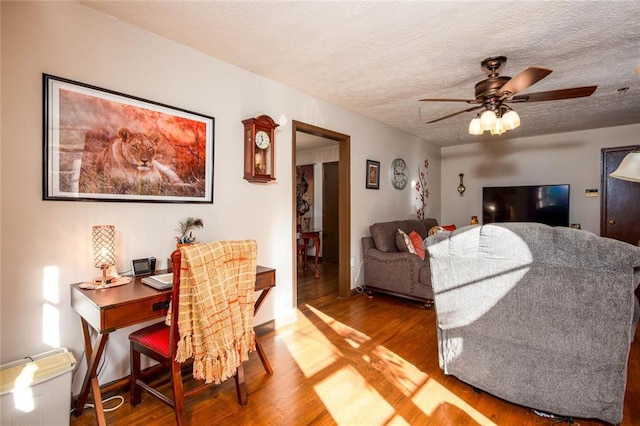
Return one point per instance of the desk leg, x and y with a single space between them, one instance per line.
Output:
263 357
316 245
91 378
304 254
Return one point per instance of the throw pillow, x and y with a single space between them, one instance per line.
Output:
404 242
449 227
416 242
435 229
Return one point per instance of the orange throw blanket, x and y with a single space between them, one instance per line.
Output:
215 315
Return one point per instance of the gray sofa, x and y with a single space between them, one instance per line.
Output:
389 270
543 317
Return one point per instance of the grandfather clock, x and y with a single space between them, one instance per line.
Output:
259 149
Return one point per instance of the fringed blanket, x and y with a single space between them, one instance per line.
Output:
215 315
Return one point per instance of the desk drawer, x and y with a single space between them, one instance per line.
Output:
126 314
265 279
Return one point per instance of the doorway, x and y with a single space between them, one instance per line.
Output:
620 202
343 202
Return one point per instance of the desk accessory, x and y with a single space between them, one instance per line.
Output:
159 282
103 239
144 266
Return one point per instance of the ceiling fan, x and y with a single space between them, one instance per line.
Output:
495 93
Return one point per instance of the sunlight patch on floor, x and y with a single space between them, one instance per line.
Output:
351 400
433 394
310 348
345 392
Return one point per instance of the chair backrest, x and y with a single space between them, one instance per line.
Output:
221 307
176 260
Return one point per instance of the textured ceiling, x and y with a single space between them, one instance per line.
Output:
378 58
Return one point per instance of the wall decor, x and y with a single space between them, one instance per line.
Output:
259 149
399 173
422 190
103 145
373 174
304 197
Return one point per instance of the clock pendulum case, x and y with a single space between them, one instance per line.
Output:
259 149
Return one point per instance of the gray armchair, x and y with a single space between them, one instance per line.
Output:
543 317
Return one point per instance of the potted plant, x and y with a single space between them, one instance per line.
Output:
185 230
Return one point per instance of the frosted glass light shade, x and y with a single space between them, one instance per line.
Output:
629 168
511 120
498 128
488 120
475 127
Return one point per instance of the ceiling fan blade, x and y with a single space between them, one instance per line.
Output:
455 113
554 95
469 101
523 80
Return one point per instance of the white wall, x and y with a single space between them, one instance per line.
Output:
69 40
573 158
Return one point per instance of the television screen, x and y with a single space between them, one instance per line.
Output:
548 204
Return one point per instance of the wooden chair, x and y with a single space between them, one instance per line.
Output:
159 342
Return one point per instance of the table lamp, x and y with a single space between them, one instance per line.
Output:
103 238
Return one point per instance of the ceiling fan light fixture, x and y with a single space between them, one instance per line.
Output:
498 127
475 127
511 120
488 120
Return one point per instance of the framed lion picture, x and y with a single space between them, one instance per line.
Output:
103 145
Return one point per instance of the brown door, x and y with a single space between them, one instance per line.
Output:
620 203
330 212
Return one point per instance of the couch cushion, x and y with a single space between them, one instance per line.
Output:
384 233
402 241
416 241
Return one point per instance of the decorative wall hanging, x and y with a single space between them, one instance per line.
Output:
304 197
461 187
373 174
107 146
421 188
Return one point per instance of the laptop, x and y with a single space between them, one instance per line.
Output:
159 282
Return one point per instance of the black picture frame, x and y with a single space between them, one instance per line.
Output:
372 177
102 145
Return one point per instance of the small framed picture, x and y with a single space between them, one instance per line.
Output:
373 174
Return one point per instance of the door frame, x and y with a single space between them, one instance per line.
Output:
344 204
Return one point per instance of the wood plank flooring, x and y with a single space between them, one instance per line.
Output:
360 361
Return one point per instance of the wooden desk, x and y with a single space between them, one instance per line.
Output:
305 236
113 308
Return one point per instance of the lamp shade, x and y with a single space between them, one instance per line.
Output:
498 127
488 120
475 127
103 239
629 168
511 120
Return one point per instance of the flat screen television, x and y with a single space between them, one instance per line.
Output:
548 204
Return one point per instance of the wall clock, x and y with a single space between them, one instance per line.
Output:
399 173
259 149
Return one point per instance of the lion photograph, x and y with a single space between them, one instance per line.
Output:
108 149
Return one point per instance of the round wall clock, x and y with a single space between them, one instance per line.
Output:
399 173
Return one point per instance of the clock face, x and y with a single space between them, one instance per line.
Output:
399 174
262 139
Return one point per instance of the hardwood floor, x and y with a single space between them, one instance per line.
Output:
360 361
